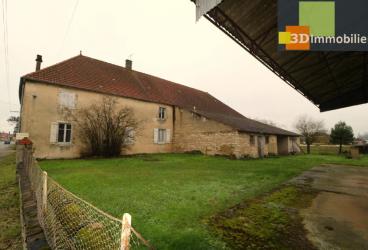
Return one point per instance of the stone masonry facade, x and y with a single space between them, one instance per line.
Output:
189 131
197 133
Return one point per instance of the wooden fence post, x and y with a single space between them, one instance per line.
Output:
125 231
25 161
44 191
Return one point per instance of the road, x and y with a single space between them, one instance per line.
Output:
6 149
338 216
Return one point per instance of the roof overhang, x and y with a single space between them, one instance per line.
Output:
330 80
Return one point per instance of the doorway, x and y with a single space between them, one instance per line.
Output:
261 145
282 145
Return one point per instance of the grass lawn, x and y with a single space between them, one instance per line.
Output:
172 196
10 232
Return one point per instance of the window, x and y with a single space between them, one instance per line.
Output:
267 139
161 135
162 113
67 99
129 136
64 134
251 140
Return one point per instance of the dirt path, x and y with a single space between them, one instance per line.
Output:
338 216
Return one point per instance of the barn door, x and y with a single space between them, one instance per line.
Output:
261 146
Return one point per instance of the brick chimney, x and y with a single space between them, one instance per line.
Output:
38 62
128 64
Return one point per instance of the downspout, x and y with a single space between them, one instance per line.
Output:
21 94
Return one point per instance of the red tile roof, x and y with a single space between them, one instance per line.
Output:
90 74
245 124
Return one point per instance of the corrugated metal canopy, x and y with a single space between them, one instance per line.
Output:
331 80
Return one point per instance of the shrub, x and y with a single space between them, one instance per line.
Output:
104 128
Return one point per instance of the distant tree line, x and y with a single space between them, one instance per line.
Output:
310 129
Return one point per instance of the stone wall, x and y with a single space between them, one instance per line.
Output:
197 133
189 132
287 145
41 107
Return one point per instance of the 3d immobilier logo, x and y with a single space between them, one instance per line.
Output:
340 25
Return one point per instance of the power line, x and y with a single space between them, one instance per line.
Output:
6 48
69 26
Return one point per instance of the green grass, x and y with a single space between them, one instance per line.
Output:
10 232
171 196
271 221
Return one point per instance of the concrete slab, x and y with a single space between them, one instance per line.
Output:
338 216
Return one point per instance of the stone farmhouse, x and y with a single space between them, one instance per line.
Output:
176 118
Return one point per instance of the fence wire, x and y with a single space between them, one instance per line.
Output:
72 223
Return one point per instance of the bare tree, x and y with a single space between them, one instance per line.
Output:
105 129
309 128
363 136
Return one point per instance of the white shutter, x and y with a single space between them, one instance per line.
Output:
67 99
168 135
70 100
73 100
62 99
53 132
155 135
130 134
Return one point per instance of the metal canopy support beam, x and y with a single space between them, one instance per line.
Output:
295 60
330 80
327 93
365 76
334 80
262 38
353 97
217 17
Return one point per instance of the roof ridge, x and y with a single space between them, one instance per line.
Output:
146 74
240 118
119 66
221 114
88 73
51 66
226 105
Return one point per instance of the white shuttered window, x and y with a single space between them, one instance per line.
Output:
61 133
161 136
129 136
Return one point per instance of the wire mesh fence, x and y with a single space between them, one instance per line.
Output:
72 223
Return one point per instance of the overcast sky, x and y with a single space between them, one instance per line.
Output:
164 40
